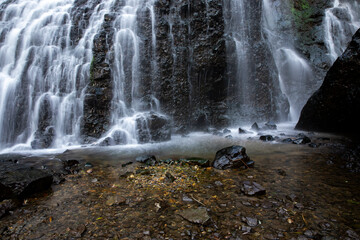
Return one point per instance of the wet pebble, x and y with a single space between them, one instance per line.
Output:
252 189
186 199
252 222
218 183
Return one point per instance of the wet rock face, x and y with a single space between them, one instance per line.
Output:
191 62
45 133
97 103
335 106
153 127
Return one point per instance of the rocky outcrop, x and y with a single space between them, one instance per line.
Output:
97 103
191 62
153 127
335 106
17 182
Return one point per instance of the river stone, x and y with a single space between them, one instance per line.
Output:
22 183
147 159
252 189
115 200
232 157
267 138
199 215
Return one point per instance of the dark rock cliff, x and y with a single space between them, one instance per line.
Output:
335 106
97 102
191 62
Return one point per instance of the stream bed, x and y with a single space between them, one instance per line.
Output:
310 194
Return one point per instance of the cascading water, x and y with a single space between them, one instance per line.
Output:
341 22
295 74
44 72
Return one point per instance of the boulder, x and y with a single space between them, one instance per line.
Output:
335 106
267 138
242 131
255 127
24 182
302 140
153 127
147 159
232 157
270 126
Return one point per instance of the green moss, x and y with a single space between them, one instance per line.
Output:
301 11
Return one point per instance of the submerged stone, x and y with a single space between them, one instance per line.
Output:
199 215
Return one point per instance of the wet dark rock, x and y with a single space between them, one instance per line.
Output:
270 126
143 171
153 127
242 131
8 205
334 107
267 138
225 131
23 182
217 133
252 222
202 162
199 215
302 140
228 137
252 189
281 172
71 166
246 229
232 157
292 197
287 140
314 145
255 127
149 160
43 139
126 164
88 165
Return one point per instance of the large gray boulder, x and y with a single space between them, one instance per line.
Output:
335 106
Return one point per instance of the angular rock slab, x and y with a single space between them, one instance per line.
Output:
232 157
22 183
252 189
199 215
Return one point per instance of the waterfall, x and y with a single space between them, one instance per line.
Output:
341 22
44 71
295 74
